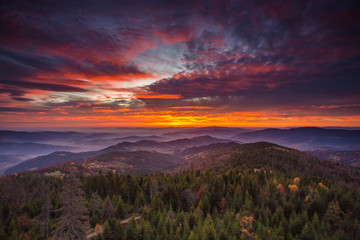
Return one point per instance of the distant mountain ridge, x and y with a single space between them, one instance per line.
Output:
144 145
217 132
43 136
165 147
104 142
306 137
29 148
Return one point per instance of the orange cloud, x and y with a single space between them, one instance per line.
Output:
165 96
192 107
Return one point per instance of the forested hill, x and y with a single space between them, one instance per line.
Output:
219 191
264 155
261 155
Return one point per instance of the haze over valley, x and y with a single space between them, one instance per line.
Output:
23 150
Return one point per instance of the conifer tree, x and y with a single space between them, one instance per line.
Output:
107 233
131 230
119 231
120 209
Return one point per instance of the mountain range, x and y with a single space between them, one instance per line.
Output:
169 147
334 144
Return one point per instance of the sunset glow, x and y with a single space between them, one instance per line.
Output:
194 63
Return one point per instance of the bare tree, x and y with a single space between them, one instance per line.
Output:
45 214
73 222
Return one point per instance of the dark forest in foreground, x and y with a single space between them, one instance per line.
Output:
292 196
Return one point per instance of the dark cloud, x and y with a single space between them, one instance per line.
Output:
258 95
298 33
42 86
16 109
22 99
13 92
23 65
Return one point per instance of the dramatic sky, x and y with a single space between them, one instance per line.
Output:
179 63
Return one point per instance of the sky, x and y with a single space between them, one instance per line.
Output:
179 63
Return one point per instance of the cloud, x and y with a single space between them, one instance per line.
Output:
13 92
23 99
257 95
205 58
16 109
42 86
17 65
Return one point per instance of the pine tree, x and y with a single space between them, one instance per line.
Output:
120 209
209 232
156 203
248 201
204 204
334 215
107 233
140 200
119 231
107 209
95 208
315 221
131 230
306 233
148 233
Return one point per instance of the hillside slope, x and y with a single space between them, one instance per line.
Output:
219 156
266 156
347 157
140 162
